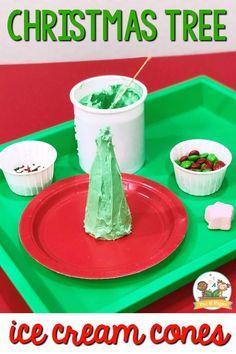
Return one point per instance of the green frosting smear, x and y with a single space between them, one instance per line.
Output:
105 98
107 213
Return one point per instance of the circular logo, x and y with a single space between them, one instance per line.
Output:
212 291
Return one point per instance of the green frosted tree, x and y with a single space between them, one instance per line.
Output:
107 213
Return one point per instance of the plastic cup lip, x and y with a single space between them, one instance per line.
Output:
29 142
196 172
108 111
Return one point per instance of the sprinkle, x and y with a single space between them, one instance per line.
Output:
27 169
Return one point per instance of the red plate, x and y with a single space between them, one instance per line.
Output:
51 230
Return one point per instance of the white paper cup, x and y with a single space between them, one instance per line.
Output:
127 124
26 153
200 183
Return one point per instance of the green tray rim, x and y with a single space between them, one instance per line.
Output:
145 294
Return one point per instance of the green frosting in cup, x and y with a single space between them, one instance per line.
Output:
105 98
107 213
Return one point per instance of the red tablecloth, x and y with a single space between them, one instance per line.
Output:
34 97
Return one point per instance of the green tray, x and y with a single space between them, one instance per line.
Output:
199 108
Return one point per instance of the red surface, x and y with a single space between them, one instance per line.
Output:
34 97
182 299
10 300
159 226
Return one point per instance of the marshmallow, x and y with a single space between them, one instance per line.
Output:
219 216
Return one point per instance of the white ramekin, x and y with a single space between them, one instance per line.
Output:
200 183
28 152
127 124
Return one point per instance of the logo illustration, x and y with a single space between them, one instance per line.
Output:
212 291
